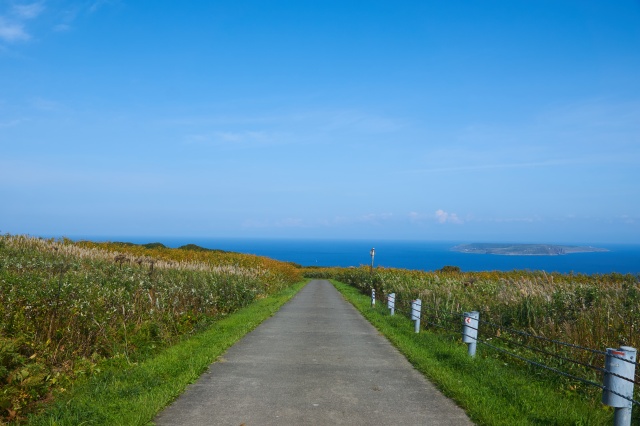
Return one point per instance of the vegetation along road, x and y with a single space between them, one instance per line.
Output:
112 333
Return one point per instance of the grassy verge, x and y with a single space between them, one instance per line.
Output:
133 394
491 391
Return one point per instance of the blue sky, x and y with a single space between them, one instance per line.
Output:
430 120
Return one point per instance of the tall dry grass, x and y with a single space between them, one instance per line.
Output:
65 307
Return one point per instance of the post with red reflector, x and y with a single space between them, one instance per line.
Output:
620 367
470 331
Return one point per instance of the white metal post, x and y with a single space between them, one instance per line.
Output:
416 307
470 331
620 367
391 302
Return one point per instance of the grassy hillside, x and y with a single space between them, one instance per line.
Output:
67 308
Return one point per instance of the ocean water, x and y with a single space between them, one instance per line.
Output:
414 255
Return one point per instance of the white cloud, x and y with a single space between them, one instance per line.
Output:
18 21
28 11
444 217
12 32
439 216
99 3
12 23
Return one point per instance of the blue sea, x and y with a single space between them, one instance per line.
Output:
413 255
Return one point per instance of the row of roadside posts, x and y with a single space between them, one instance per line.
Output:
617 389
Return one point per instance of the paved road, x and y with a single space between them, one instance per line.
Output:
316 362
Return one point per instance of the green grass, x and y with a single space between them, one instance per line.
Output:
491 391
125 394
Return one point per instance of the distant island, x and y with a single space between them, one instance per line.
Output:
524 249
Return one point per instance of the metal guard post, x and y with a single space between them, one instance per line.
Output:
470 331
619 364
391 302
416 308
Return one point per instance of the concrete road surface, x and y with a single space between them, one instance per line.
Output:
316 362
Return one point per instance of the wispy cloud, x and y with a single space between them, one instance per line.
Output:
96 5
592 132
28 11
13 21
439 216
445 217
19 21
593 113
299 127
12 31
